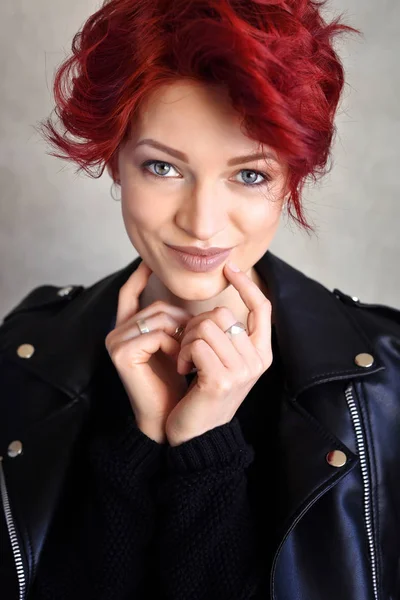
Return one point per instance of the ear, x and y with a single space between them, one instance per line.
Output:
112 169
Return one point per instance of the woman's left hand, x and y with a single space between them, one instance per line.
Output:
228 366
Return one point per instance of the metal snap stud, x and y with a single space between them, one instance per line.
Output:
364 360
14 449
336 458
25 350
65 290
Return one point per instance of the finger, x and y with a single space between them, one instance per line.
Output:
212 377
161 320
180 314
128 298
222 315
259 318
224 318
128 353
198 319
218 341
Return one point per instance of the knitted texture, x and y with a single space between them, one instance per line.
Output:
96 548
140 520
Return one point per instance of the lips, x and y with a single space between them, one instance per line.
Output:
198 251
199 264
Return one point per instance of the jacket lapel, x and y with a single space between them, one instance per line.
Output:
317 339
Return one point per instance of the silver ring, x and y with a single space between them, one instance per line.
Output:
236 328
141 323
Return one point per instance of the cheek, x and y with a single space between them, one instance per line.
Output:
142 210
263 215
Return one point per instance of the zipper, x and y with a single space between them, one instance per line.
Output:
361 446
12 534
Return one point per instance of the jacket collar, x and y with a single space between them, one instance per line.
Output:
318 341
317 337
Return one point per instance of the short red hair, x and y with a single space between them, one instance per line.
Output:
275 57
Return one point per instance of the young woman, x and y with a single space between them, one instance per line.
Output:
185 429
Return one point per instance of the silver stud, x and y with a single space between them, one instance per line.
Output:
25 350
364 360
65 290
355 299
14 449
336 458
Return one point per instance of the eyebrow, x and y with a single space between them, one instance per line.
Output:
183 157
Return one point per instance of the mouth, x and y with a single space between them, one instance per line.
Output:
213 251
199 263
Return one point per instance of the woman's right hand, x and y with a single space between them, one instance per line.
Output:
146 363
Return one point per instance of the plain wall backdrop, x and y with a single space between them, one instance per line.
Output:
59 228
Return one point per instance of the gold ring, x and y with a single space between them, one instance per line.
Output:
178 332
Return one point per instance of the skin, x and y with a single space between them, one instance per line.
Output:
205 202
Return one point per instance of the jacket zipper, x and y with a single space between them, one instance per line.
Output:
12 534
366 483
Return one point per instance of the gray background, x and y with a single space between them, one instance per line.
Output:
59 228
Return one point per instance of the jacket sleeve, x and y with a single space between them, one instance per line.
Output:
207 542
99 545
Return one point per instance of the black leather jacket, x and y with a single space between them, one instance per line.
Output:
339 435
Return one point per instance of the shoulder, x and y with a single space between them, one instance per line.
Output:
380 318
45 299
51 299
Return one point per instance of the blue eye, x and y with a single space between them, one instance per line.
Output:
149 163
264 181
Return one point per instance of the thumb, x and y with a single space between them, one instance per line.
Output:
128 299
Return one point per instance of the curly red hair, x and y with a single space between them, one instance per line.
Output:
275 57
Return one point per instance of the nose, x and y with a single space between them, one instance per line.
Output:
202 213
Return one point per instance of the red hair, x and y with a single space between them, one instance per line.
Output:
275 57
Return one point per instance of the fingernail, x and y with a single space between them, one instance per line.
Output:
232 266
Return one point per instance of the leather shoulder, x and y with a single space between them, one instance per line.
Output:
45 298
380 310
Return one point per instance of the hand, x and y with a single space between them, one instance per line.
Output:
147 363
228 367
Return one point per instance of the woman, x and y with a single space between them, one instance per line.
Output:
184 429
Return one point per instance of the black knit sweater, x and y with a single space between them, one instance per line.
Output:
140 520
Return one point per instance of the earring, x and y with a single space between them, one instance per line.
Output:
285 206
111 192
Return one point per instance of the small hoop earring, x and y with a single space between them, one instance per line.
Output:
111 193
285 207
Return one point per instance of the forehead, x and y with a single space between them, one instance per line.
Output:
197 119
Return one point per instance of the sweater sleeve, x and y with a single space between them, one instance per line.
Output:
207 540
99 545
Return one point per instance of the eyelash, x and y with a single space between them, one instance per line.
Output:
146 164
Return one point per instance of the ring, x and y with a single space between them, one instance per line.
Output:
235 328
143 328
178 332
141 323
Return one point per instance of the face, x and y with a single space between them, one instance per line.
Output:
196 194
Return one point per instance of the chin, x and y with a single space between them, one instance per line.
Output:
198 289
